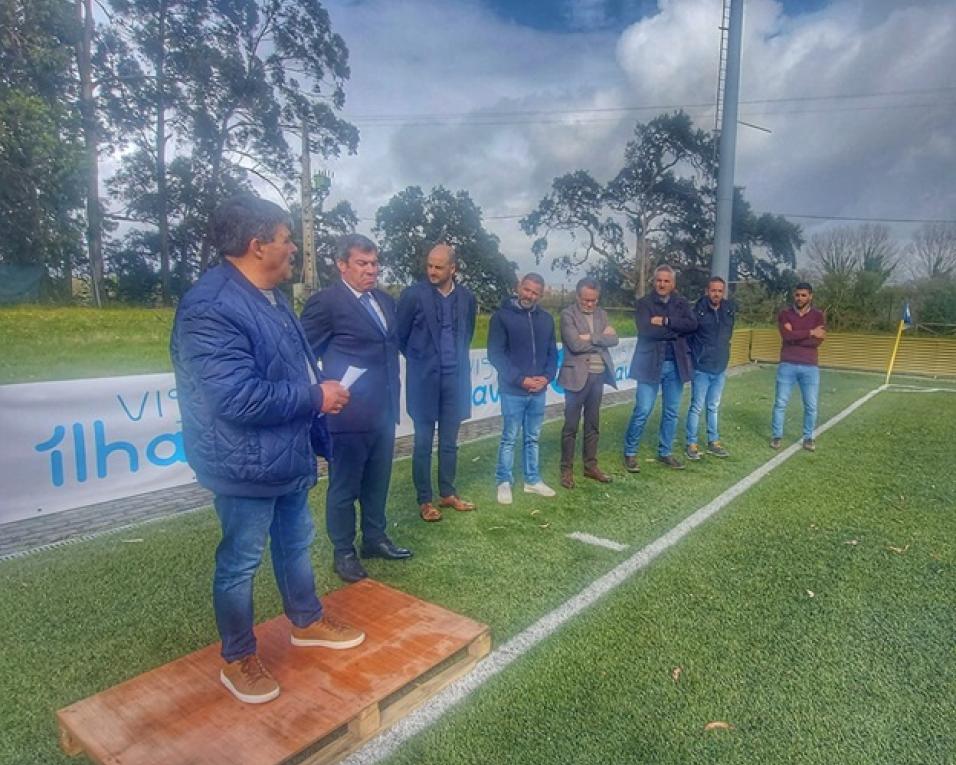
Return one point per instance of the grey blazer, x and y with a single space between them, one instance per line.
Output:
574 365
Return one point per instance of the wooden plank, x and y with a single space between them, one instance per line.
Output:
179 714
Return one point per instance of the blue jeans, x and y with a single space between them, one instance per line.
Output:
525 412
808 378
247 522
672 388
705 391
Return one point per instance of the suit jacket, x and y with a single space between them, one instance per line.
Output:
419 339
343 333
575 366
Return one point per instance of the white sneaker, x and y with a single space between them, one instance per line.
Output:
540 488
504 493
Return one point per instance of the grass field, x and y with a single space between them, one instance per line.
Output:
861 671
45 343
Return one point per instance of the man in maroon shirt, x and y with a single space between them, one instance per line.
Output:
802 329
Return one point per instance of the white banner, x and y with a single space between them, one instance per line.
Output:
78 442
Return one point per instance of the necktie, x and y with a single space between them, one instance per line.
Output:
366 300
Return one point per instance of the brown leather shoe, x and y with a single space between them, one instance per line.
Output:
567 479
458 504
596 474
429 512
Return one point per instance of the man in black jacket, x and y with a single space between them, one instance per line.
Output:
661 361
522 347
436 321
710 349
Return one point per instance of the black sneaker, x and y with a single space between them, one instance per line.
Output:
630 464
671 462
692 452
809 444
776 443
717 449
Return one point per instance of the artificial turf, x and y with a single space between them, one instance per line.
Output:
818 679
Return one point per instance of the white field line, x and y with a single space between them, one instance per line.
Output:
590 539
896 388
388 741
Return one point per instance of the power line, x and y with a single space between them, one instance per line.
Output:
637 108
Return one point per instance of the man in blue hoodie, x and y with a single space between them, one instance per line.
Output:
522 347
710 348
254 405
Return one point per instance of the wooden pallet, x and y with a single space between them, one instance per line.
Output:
331 701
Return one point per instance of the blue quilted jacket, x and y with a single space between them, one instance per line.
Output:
248 406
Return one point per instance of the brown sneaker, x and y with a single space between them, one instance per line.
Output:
249 681
327 633
809 444
630 464
671 462
458 504
596 474
567 479
429 512
776 443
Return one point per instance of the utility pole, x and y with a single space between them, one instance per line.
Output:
728 93
308 216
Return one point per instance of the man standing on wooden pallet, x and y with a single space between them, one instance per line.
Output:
436 321
802 330
252 402
585 369
710 348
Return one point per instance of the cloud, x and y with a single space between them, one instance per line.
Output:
829 156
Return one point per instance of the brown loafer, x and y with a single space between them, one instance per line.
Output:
429 512
567 479
596 474
458 504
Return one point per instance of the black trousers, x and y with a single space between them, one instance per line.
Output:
589 400
448 425
361 469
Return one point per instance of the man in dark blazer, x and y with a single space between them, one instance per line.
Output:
662 362
436 321
352 324
586 367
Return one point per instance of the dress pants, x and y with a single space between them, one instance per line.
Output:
588 399
361 469
448 425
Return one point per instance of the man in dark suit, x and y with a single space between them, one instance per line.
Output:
586 368
436 321
352 324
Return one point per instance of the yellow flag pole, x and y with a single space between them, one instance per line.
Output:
896 347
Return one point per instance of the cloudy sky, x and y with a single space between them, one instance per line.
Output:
481 95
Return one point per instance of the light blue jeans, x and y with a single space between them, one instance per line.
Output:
808 378
646 395
705 391
520 412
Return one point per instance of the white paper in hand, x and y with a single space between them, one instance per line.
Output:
351 375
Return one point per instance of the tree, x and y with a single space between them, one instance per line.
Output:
41 182
410 223
932 252
666 195
330 224
264 67
852 265
145 51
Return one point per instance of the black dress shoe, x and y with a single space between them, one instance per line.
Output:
348 567
385 549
